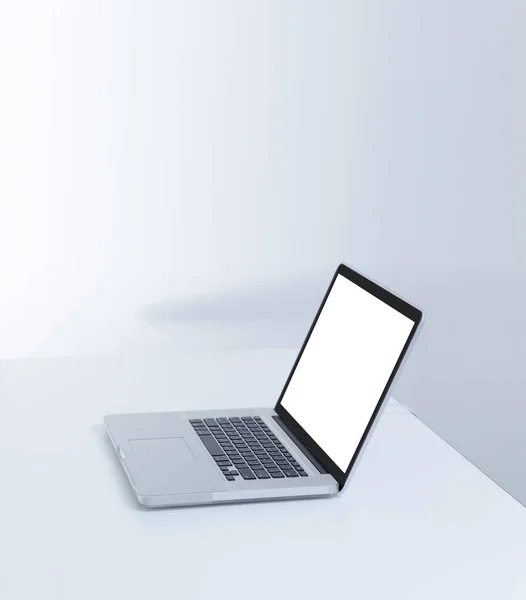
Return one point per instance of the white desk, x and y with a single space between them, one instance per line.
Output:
418 522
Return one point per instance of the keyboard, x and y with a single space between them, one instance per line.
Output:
245 447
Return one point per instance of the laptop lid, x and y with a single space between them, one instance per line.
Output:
344 370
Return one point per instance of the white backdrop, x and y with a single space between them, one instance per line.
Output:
190 173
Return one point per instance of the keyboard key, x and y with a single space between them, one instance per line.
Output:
210 422
225 469
224 463
196 421
234 473
247 473
211 445
295 464
276 474
234 420
290 472
303 473
230 478
221 421
253 462
220 457
262 474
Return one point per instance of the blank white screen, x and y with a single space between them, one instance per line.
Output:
345 367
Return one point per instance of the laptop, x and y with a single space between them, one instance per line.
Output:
309 443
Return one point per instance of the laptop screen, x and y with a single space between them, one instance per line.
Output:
345 367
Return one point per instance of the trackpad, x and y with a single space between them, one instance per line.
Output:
168 466
161 450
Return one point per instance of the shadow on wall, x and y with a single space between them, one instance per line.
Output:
271 303
262 316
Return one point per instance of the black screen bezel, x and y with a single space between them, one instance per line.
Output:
391 300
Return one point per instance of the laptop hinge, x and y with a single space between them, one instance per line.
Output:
301 446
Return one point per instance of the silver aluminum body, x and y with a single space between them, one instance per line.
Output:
168 465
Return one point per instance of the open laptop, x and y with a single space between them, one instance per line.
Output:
309 443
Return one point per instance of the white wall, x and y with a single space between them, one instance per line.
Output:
169 163
161 149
